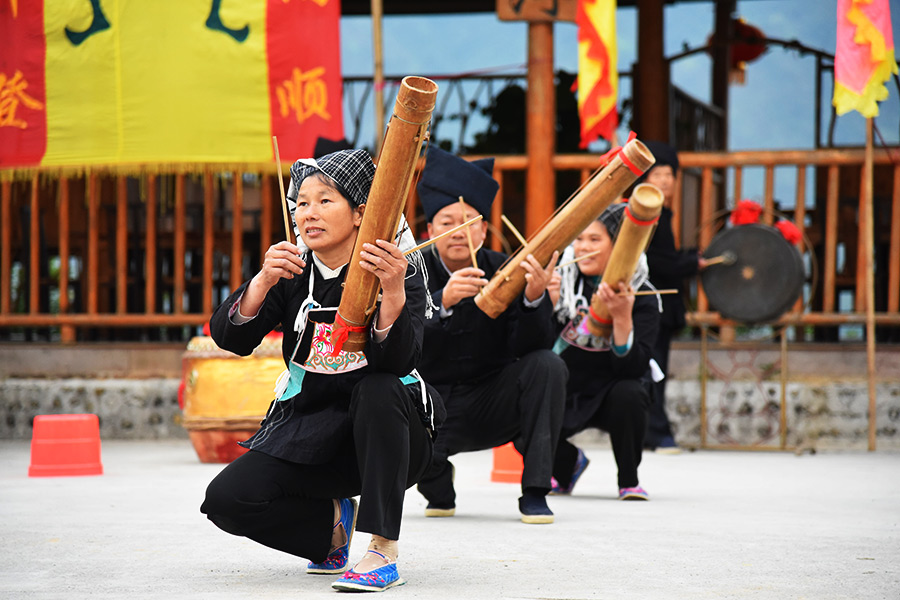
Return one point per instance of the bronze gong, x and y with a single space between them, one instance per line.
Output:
761 278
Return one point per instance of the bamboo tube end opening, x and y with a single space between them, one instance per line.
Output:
417 94
423 85
646 201
639 155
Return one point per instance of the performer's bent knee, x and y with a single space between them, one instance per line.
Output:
630 394
377 392
546 362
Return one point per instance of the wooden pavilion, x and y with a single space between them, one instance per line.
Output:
108 257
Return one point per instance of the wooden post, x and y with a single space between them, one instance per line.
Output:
34 239
237 234
378 73
721 53
5 247
704 380
66 332
651 81
540 128
870 285
150 248
179 246
894 261
831 232
121 245
209 247
93 260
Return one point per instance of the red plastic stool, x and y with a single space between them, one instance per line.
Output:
507 464
65 445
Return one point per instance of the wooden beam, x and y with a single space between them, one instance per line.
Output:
831 231
5 247
894 261
67 332
707 209
34 239
651 74
180 245
93 261
869 236
208 235
150 248
237 233
540 129
121 244
721 53
497 212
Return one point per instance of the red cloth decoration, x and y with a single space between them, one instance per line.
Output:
341 332
790 231
612 152
745 213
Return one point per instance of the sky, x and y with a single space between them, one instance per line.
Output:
774 109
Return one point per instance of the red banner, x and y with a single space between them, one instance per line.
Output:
23 122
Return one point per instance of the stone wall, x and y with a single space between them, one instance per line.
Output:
827 397
127 408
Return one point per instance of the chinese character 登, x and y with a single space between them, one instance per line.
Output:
12 92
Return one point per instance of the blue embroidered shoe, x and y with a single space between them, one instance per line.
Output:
581 463
337 559
633 493
376 580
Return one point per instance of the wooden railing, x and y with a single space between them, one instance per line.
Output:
109 257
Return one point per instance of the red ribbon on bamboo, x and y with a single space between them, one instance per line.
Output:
342 331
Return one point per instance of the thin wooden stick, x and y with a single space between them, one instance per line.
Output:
726 258
582 257
284 206
462 204
649 292
427 243
515 231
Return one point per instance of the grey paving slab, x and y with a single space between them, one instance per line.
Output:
719 525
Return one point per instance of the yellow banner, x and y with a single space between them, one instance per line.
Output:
156 84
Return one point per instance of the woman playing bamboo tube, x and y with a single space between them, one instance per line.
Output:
342 423
609 379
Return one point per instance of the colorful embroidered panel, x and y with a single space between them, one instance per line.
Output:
321 357
141 84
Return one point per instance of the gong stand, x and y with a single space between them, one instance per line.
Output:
755 276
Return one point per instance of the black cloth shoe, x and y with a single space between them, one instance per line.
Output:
534 509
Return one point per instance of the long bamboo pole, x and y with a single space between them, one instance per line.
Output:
870 285
378 72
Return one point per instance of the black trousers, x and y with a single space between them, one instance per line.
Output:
658 426
523 403
622 414
289 506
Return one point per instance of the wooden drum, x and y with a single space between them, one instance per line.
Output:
226 396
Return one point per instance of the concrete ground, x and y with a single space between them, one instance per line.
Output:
719 525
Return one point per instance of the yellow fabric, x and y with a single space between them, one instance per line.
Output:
598 75
874 92
864 56
158 85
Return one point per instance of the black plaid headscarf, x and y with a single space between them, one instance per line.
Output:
612 219
351 170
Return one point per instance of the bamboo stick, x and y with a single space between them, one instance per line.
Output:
284 206
443 235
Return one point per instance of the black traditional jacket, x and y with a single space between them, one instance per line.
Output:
311 426
592 373
469 346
